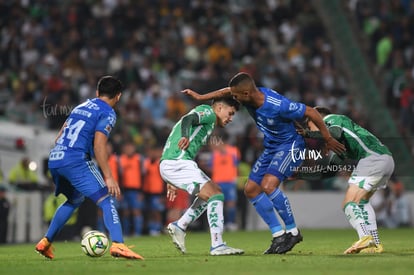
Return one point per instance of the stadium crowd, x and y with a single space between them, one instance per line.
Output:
388 29
52 53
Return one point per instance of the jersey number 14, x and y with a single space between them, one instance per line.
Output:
71 132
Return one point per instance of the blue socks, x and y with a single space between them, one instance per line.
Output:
264 208
62 215
282 205
111 219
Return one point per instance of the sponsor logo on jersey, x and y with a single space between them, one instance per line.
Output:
108 128
292 106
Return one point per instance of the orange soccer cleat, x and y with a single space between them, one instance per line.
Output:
45 248
121 250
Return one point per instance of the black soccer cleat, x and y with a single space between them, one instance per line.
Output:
291 241
278 244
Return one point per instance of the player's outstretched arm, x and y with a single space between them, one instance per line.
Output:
211 95
331 143
336 133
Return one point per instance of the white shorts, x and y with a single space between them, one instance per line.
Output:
183 174
373 172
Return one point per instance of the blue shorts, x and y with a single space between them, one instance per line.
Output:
155 202
79 180
132 199
280 161
229 190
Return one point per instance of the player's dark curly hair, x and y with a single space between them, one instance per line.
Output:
228 100
109 86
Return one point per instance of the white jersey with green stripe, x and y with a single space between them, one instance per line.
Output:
199 135
358 141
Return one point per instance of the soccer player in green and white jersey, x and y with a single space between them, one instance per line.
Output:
179 170
374 169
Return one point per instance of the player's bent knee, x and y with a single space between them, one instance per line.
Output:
268 189
355 194
209 189
270 183
252 189
99 196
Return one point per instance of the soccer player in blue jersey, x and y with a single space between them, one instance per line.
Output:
82 137
274 115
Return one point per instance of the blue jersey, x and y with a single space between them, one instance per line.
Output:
275 118
76 141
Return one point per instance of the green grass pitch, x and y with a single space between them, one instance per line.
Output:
319 253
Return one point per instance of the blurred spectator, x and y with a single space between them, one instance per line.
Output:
392 206
4 214
129 73
224 172
250 143
176 107
218 52
407 108
242 202
400 211
52 202
17 109
153 187
22 176
154 105
131 167
5 94
131 111
383 50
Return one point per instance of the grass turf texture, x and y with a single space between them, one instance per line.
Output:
319 253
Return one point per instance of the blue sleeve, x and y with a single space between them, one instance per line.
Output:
106 122
292 110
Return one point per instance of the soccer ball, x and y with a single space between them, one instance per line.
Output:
94 243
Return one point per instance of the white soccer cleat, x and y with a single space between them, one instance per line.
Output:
223 249
178 236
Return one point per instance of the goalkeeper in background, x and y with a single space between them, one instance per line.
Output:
374 168
179 170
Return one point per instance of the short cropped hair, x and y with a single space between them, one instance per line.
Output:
228 100
109 86
235 80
